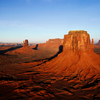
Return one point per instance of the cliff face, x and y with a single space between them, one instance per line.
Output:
77 41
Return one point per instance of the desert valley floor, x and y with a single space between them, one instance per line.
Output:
22 78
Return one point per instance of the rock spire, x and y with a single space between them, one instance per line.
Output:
25 43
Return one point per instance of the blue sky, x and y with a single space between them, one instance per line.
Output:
40 20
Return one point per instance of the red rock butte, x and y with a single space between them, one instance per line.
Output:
25 43
55 43
23 50
77 59
77 41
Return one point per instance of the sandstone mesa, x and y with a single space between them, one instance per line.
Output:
77 59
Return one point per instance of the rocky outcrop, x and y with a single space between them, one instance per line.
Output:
25 43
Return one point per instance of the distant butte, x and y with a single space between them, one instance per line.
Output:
52 43
98 43
23 50
25 43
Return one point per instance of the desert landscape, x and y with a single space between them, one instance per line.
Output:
64 69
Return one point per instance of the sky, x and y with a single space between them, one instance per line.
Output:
40 20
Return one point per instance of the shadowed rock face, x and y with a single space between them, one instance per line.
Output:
25 43
77 41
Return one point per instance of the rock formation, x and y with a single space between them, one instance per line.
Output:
75 72
23 50
53 43
25 43
77 59
57 41
77 41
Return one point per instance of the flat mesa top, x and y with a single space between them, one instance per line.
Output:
72 32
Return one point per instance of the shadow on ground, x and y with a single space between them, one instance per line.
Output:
11 49
48 59
36 47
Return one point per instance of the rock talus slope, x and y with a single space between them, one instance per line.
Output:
77 59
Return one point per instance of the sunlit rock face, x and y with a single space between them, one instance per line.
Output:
77 41
56 41
77 58
25 43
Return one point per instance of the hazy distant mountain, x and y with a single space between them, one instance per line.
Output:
10 44
98 43
15 44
